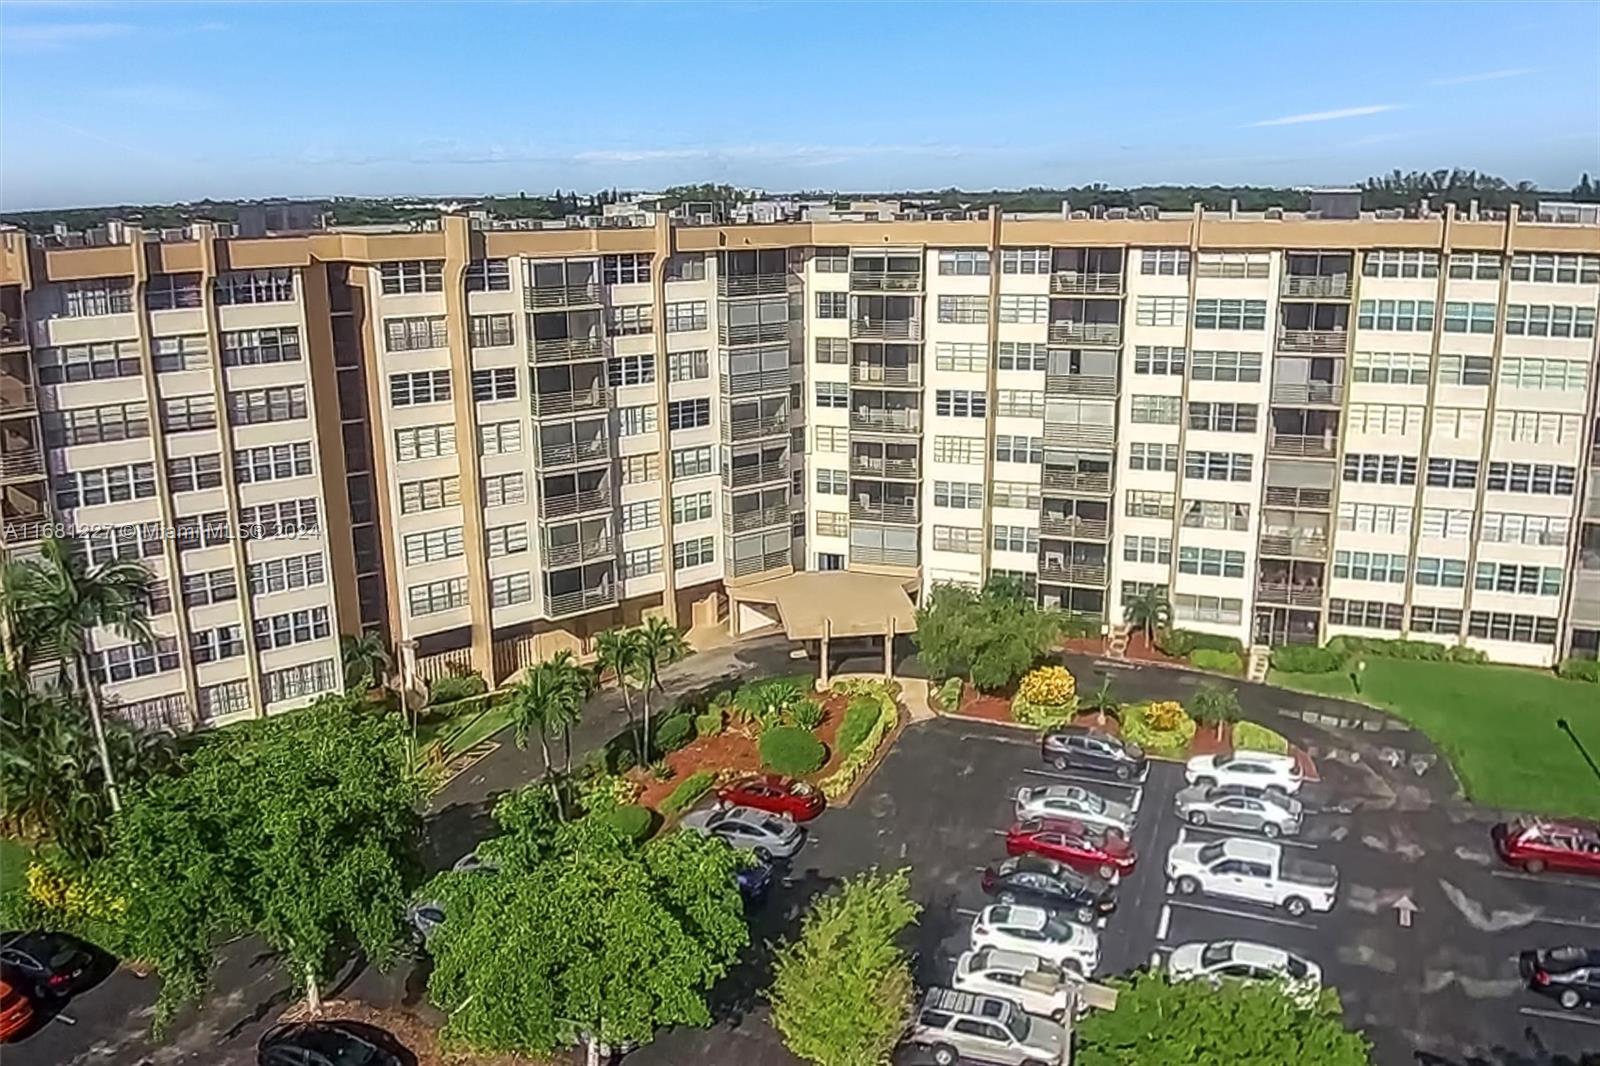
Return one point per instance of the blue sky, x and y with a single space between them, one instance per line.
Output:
106 103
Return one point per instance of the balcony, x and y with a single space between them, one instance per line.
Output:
1299 499
18 398
1108 334
1080 385
894 514
908 420
1317 286
875 281
874 374
762 518
753 332
1077 435
1293 595
13 333
1087 484
886 329
548 404
567 349
566 454
1311 393
737 430
1073 527
1313 341
1302 445
548 298
575 503
892 469
756 382
752 284
743 477
1288 547
758 564
861 555
579 552
1071 283
561 604
21 465
1061 573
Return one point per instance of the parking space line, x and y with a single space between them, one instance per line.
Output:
1084 779
1220 831
1164 923
1239 914
1576 923
1558 1015
1138 798
966 912
1546 879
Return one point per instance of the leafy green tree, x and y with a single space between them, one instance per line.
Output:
596 941
1161 1023
660 644
549 699
55 601
366 661
1148 612
301 828
991 638
618 650
842 990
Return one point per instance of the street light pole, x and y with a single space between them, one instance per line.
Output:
1566 727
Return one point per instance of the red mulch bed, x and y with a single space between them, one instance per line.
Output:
735 751
420 1036
1138 648
992 707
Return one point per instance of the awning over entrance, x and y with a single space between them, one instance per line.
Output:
831 603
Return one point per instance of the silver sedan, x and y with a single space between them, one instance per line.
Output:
770 836
1241 807
1077 803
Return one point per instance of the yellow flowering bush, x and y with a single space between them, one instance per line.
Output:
1165 715
72 900
1048 686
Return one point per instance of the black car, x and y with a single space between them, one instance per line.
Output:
337 1043
1041 882
1569 975
52 964
1077 747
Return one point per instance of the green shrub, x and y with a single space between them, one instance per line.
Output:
1137 728
1255 737
673 732
807 714
1214 704
1181 643
859 718
620 755
1579 670
1419 650
453 687
873 704
631 820
876 687
1306 659
687 792
1042 715
708 724
1076 625
1221 662
764 704
947 697
791 750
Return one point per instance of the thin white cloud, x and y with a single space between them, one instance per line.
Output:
1488 75
156 97
61 34
1325 116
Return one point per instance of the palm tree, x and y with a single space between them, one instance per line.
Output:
548 698
53 603
1101 701
1148 612
660 643
618 650
581 680
366 659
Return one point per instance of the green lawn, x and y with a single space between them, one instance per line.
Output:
1497 724
14 859
463 731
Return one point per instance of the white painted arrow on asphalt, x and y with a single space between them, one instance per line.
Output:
1404 910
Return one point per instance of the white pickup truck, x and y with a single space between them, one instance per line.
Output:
1259 871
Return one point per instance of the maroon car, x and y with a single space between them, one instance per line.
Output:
774 794
1538 844
1085 849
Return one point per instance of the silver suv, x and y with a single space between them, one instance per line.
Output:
963 1026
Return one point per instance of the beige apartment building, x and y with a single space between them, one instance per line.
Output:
491 444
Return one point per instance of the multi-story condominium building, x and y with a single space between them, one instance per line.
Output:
490 444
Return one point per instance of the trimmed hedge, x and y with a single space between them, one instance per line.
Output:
1181 643
673 732
631 820
1579 670
687 792
1421 650
1255 737
791 750
1043 715
947 697
859 718
453 687
1222 662
1136 728
882 696
1306 659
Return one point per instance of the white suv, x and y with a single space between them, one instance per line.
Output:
1259 768
962 1027
1036 985
1035 931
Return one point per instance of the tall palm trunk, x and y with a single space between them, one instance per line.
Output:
566 742
644 737
627 709
92 694
549 768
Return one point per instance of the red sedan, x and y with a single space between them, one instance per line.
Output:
1087 850
16 1011
774 794
1537 844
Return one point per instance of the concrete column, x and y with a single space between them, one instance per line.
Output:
888 651
827 631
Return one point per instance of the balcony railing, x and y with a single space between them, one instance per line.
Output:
1284 547
1080 385
1313 393
575 503
22 464
565 603
1072 573
888 329
553 296
546 404
589 451
1073 527
758 381
1075 435
865 556
1317 286
752 284
1317 341
741 477
890 376
1106 333
892 469
567 349
865 281
1085 484
869 421
25 530
579 552
897 514
760 427
1070 283
762 518
758 564
753 332
1293 595
18 398
1302 445
1299 498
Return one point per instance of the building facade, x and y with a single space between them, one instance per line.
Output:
492 444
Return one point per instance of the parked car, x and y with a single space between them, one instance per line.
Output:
774 794
753 882
769 836
1259 871
1539 844
1106 854
1076 747
51 965
425 917
1268 812
1038 987
1035 931
1262 769
963 1027
1569 975
1245 960
336 1043
473 863
16 1010
1077 803
1041 882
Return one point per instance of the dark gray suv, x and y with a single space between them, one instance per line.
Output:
1076 747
